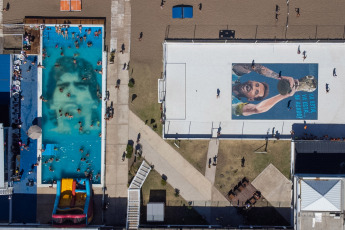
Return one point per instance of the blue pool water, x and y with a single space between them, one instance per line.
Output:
74 74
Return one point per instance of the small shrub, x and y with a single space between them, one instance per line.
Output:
177 192
131 83
163 182
129 151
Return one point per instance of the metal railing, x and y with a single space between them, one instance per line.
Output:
206 33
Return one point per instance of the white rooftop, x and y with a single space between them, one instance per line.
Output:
155 212
194 72
321 195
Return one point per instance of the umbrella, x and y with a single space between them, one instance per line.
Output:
34 132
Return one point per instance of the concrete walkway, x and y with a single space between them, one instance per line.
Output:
210 172
181 174
116 170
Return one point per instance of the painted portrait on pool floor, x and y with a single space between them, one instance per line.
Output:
75 98
71 103
274 91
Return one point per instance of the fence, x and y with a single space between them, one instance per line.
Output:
260 203
256 32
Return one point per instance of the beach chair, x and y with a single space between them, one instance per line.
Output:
257 195
231 195
241 187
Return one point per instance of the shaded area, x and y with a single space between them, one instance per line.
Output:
24 208
4 108
5 89
264 216
219 216
158 196
320 146
318 131
175 215
320 163
28 155
114 210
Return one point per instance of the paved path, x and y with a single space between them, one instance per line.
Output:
210 172
116 173
181 174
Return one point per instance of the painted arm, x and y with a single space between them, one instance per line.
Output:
241 69
264 71
264 106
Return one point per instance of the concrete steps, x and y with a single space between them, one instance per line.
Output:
6 191
133 205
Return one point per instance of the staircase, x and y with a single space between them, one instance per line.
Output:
6 191
133 206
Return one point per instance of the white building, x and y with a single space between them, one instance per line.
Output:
318 185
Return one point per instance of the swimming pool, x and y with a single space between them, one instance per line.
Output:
71 103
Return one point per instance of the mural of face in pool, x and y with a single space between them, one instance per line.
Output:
76 95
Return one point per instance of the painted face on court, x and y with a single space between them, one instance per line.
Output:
252 90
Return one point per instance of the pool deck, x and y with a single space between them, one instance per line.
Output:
28 117
116 174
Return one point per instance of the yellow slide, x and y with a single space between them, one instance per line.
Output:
66 193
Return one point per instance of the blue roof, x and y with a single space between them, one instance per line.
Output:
5 72
188 12
182 11
177 12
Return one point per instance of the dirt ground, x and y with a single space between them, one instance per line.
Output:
229 170
176 210
153 182
195 152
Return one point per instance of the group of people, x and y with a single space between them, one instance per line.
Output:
88 172
297 10
16 91
16 98
109 113
75 93
310 136
86 158
78 38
